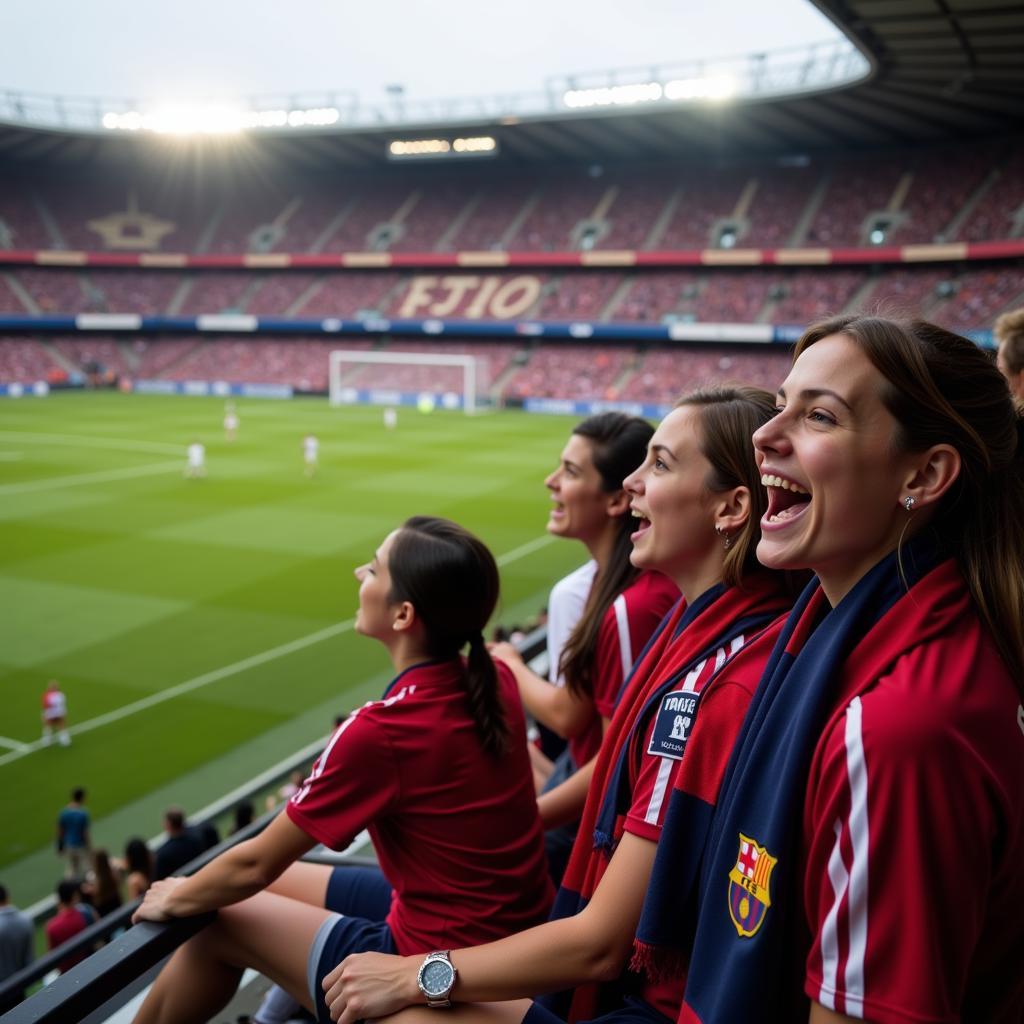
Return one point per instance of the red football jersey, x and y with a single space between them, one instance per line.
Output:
456 831
914 826
626 627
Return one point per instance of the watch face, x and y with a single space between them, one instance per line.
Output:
437 978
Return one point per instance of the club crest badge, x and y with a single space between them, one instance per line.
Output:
749 883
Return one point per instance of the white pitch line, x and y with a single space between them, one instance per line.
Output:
192 684
229 670
13 744
54 483
114 444
524 549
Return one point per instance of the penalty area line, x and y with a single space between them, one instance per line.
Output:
226 671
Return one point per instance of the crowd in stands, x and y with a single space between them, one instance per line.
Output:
791 296
935 194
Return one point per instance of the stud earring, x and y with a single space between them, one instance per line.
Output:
909 502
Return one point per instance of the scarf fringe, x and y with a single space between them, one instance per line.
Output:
658 963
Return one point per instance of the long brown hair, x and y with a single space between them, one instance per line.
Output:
942 389
618 444
729 415
451 579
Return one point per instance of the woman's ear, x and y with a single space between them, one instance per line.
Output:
617 504
732 510
405 617
934 472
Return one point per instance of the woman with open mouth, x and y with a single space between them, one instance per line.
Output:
699 503
865 859
600 616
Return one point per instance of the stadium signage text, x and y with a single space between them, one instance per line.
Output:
489 297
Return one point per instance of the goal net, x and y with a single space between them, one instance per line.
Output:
403 378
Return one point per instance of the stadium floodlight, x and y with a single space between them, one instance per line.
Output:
716 87
339 394
216 120
614 95
426 149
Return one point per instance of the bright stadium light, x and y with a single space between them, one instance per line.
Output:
480 145
216 120
614 95
720 87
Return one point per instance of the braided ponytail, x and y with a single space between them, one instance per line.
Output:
481 679
451 579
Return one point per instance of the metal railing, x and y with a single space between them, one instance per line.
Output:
109 977
788 70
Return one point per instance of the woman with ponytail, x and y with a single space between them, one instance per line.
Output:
437 771
699 503
618 608
865 862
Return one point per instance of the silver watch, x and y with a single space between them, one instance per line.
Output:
436 978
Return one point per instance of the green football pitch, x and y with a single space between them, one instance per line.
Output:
202 628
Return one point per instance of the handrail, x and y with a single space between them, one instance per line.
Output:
111 969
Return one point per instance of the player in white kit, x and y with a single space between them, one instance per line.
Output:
311 453
196 465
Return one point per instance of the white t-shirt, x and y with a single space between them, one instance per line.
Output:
565 608
311 446
231 421
196 454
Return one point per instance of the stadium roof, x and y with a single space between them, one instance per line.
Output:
939 69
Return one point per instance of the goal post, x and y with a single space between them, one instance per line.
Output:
339 394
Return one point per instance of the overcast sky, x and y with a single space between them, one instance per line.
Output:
222 49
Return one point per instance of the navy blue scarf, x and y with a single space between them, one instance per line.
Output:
689 637
744 918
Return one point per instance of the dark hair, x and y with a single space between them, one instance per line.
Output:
618 444
67 890
942 389
451 579
138 857
3 893
78 794
105 886
1009 332
174 818
729 415
244 813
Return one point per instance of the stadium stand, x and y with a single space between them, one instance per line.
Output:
344 294
94 355
810 199
999 212
24 362
119 291
662 375
572 372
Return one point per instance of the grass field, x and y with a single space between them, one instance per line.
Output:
201 629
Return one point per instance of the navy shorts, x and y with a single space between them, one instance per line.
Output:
337 938
632 1011
361 899
359 892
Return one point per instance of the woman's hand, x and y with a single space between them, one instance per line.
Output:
507 653
367 986
158 902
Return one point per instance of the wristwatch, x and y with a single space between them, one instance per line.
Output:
436 978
